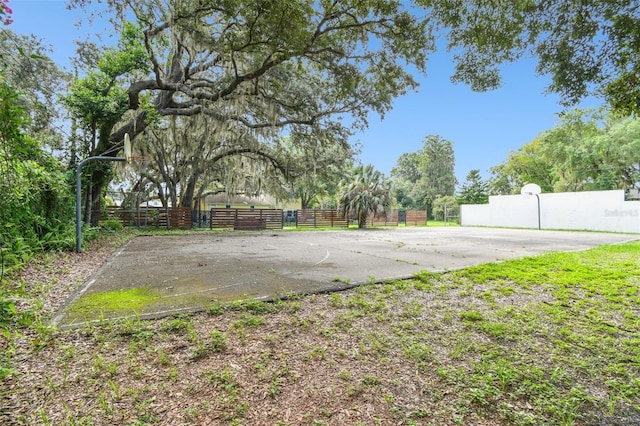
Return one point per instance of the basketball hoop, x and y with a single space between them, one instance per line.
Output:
141 160
531 189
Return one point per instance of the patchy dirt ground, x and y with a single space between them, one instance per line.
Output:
401 353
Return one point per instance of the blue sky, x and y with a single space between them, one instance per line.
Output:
483 127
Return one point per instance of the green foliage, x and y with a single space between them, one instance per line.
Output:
588 150
441 203
36 202
315 164
586 47
369 193
405 176
474 190
25 66
129 57
420 177
98 101
95 100
112 224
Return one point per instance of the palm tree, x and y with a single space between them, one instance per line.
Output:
368 193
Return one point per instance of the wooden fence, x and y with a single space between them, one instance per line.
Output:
312 218
159 217
415 218
254 219
246 219
180 217
391 220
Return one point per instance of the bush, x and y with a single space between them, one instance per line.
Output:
37 203
112 224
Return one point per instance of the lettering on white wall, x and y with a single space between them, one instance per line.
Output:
622 213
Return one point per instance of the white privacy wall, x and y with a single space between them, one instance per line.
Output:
593 210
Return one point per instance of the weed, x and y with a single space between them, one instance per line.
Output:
498 330
248 321
215 310
164 359
294 306
181 324
471 316
317 352
133 327
337 301
104 404
345 375
426 277
218 341
274 386
412 310
370 380
224 379
418 351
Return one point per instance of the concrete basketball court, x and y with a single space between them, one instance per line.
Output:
192 272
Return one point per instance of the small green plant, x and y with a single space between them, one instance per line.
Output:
256 306
337 301
370 380
224 379
181 324
215 310
248 321
419 352
471 316
345 375
218 341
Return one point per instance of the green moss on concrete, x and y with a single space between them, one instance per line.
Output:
117 301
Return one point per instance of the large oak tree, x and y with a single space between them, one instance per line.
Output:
276 67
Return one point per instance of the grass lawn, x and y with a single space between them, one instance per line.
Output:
546 340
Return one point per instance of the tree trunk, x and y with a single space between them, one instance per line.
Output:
87 204
189 191
306 198
96 204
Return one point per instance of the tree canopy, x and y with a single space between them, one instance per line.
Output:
272 68
270 65
26 66
474 189
420 177
320 67
587 47
587 150
279 68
